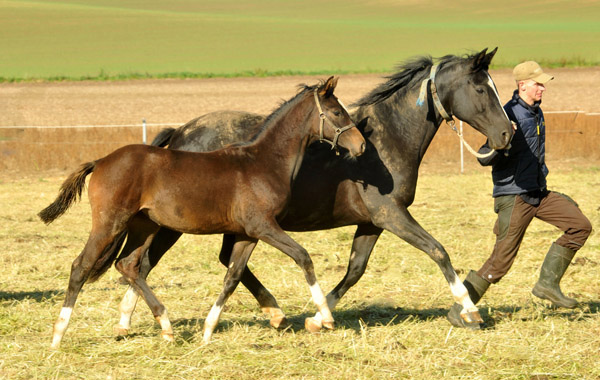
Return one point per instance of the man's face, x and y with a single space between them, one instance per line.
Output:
531 91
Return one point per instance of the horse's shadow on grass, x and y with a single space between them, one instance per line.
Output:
376 315
38 296
353 319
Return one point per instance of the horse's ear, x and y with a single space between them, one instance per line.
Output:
485 64
478 60
328 87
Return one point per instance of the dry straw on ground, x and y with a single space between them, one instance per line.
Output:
391 325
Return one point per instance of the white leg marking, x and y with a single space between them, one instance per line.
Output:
61 326
331 303
461 295
211 322
165 325
321 302
127 307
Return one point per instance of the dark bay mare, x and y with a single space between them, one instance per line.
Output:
241 190
399 118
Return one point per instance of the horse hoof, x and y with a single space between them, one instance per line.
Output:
279 323
329 325
472 317
312 325
120 331
167 336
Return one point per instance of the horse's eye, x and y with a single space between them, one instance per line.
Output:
480 90
337 113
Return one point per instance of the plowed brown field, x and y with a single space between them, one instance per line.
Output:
178 101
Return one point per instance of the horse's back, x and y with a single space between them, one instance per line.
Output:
216 130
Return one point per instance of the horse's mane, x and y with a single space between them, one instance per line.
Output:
409 73
284 106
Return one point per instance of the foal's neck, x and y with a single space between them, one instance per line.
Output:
283 142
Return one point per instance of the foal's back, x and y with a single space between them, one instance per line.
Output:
189 192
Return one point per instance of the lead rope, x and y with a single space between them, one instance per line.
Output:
452 125
440 108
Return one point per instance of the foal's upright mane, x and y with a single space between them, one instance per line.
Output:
284 107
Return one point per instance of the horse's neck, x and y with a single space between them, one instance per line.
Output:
403 126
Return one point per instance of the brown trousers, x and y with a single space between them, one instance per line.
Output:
514 216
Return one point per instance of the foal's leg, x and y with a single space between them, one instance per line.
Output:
162 242
241 251
271 233
141 232
365 237
267 302
401 223
96 250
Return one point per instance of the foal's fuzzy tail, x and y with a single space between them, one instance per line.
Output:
163 137
69 192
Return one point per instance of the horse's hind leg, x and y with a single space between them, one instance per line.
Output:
97 250
241 251
267 302
141 232
164 239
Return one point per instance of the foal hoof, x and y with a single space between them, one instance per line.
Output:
279 323
312 325
329 325
120 330
167 336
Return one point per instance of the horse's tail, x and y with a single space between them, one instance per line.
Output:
69 192
163 137
107 257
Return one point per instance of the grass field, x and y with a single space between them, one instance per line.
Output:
127 39
391 325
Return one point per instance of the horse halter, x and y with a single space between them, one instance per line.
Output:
442 111
338 131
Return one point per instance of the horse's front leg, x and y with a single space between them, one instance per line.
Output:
401 223
271 233
268 303
365 237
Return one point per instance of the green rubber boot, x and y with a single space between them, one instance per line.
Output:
555 264
477 287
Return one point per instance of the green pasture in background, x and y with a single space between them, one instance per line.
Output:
75 39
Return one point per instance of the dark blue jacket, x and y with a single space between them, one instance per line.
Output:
521 168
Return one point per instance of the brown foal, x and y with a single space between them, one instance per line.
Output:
241 189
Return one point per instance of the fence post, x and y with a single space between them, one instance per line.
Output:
462 159
144 131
